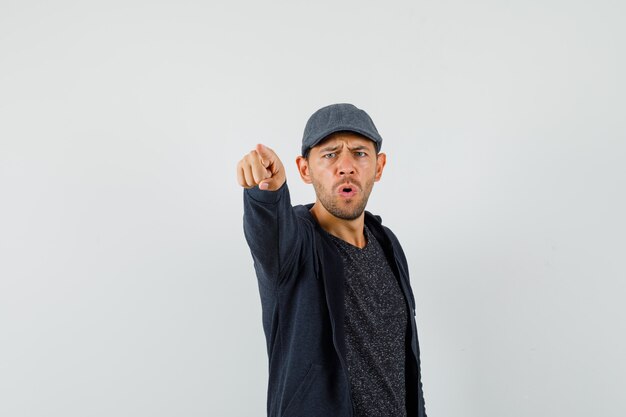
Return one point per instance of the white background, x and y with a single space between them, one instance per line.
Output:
126 286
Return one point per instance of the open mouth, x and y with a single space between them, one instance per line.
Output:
347 190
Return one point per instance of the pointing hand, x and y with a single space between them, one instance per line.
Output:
261 167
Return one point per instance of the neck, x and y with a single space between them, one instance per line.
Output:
349 230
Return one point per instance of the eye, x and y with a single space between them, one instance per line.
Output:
329 155
360 154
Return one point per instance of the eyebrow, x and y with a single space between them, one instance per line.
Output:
334 148
329 148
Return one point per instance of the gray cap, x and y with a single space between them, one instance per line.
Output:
338 118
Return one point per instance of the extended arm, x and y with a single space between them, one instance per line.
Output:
270 225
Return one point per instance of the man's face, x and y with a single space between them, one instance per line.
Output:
343 169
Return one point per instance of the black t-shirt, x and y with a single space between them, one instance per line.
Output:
375 330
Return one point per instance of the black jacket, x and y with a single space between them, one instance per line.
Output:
301 283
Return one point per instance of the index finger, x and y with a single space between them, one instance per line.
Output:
267 155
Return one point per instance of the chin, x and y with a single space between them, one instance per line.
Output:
346 214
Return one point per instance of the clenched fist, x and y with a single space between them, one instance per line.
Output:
261 167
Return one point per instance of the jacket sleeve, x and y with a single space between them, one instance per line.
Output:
272 231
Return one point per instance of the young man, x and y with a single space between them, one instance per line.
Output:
338 309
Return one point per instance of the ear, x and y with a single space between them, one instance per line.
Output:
380 165
303 169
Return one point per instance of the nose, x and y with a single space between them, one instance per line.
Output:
346 165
